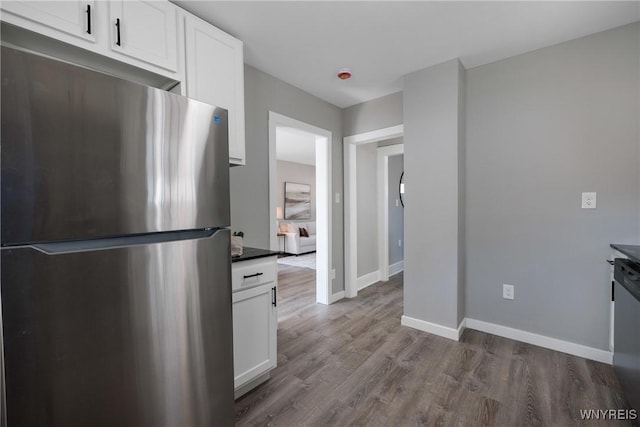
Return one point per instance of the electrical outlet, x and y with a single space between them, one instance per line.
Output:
337 197
589 200
399 243
397 203
508 292
333 273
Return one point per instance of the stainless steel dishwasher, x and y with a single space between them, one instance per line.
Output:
626 355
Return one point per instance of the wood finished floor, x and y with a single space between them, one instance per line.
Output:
353 364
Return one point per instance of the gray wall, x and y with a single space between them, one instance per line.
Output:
250 183
367 208
432 140
299 173
379 113
396 213
542 128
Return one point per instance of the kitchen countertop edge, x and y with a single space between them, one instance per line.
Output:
250 253
632 251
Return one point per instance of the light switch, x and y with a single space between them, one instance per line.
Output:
589 200
337 197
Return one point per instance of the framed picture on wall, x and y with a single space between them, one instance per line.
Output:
297 201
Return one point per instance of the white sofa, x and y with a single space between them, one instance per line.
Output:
294 242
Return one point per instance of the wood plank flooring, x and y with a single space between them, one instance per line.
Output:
353 364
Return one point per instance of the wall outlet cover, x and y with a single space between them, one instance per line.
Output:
508 292
589 200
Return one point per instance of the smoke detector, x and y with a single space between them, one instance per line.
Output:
344 74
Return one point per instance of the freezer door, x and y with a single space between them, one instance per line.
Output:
88 155
128 336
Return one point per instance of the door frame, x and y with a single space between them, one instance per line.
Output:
383 206
324 229
350 143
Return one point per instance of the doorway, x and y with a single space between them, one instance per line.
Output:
321 138
351 144
390 210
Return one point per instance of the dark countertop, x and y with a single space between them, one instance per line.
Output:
253 253
632 251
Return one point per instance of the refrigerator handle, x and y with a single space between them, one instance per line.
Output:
53 248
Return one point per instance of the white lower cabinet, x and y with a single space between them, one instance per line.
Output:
254 327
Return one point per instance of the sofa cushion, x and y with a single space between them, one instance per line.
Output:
311 227
308 241
303 232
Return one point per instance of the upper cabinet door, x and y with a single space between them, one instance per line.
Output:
215 75
66 18
144 31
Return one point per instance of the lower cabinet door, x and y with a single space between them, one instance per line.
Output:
254 333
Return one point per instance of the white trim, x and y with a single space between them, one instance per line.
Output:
515 334
396 268
351 222
541 341
350 197
336 297
432 328
368 279
375 135
383 206
324 190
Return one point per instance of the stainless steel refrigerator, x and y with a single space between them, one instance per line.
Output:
115 261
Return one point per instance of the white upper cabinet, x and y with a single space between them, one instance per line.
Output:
144 31
70 18
139 33
153 42
215 75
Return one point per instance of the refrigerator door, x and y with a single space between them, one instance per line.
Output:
87 155
126 336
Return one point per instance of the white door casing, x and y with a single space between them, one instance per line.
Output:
350 198
383 206
323 199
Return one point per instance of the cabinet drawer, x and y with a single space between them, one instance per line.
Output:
247 274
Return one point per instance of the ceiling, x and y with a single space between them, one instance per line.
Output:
305 43
293 145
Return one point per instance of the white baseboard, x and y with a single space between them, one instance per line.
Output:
515 334
396 268
541 340
368 279
336 297
432 328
